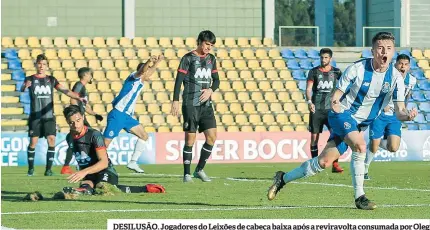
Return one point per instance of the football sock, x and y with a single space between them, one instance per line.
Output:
187 156
50 157
357 173
307 169
138 149
30 157
368 160
314 151
204 156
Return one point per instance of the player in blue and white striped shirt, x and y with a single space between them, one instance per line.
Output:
387 125
121 115
363 90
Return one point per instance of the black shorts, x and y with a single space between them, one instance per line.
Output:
201 117
108 175
41 127
317 121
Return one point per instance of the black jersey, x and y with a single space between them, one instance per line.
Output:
82 91
84 147
324 83
41 96
199 72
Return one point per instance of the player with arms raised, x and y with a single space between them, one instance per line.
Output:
362 92
41 122
198 72
385 131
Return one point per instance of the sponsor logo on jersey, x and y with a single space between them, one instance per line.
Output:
347 125
82 158
203 73
386 87
42 91
325 85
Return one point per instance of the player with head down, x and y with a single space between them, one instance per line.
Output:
90 152
364 89
385 131
121 115
198 72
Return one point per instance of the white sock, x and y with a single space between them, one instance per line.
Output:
383 144
357 173
368 160
307 169
138 149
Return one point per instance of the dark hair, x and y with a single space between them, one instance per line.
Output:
82 71
326 51
140 66
206 36
403 57
41 57
383 36
71 110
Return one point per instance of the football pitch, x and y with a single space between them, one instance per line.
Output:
400 189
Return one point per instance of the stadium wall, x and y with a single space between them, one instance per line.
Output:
77 18
255 147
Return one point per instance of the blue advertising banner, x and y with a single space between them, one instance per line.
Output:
14 149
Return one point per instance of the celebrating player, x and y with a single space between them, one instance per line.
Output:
41 122
90 152
387 125
364 89
198 72
320 84
121 115
85 77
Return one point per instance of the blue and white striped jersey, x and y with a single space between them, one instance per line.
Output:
126 100
410 82
367 92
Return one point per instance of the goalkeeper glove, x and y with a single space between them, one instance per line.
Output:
99 117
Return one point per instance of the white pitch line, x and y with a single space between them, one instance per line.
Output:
294 182
211 209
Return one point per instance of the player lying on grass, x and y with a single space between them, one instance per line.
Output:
90 152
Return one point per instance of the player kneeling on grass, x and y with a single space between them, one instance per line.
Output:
96 169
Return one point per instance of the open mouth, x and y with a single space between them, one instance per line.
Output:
384 59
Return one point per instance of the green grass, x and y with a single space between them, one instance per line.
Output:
220 199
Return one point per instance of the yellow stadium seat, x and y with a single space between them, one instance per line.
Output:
7 42
248 54
280 64
182 52
255 119
285 75
68 64
94 97
222 53
86 42
103 53
165 42
141 109
121 64
264 86
163 129
243 42
306 117
154 108
99 75
156 52
158 119
191 42
418 54
261 53
63 54
112 42
236 108
152 42
268 42
166 75
90 54
222 108
276 107
172 120
108 64
35 52
94 64
227 119
177 129
178 42
274 53
11 110
60 42
249 108
216 96
163 97
243 97
272 74
240 64
74 42
230 42
169 85
241 119
133 64
115 85
169 53
51 53
238 86
259 75
284 96
253 64
149 129
4 66
225 86
274 128
6 76
246 128
287 128
99 42
301 128
289 107
107 97
295 118
232 128
143 53
28 65
266 64
302 107
269 119
20 42
9 99
72 75
291 85
125 42
297 96
123 74
174 64
219 129
278 86
139 42
227 64
24 54
129 53
257 96
282 118
112 75
33 42
424 64
99 109
54 65
116 54
256 42
262 107
14 122
235 54
270 96
219 43
157 86
143 119
91 88
230 96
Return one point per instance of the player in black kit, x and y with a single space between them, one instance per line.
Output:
95 167
85 77
320 83
41 122
198 72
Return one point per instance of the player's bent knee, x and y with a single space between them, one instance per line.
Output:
51 140
359 147
325 162
393 147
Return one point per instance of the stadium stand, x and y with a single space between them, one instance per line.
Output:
261 85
